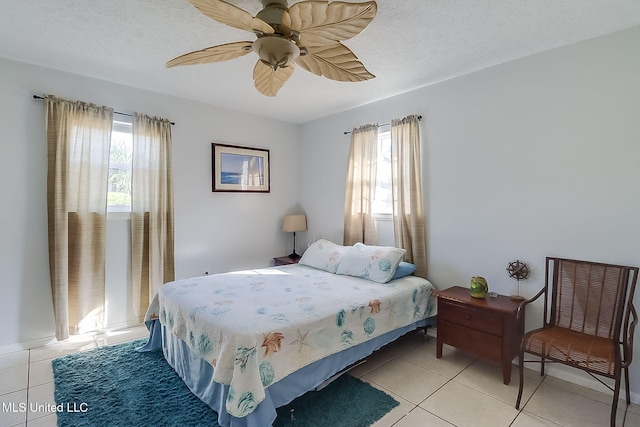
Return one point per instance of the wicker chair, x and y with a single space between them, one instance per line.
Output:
589 321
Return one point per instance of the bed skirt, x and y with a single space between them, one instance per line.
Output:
197 374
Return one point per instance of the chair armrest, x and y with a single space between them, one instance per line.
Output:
628 344
525 302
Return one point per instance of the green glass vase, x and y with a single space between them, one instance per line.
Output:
479 287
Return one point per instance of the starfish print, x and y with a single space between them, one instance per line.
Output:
301 340
375 306
272 342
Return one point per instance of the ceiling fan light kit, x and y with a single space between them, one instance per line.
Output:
276 51
309 34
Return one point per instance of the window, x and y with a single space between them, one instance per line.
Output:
383 199
120 158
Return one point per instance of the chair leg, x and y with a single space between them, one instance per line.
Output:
614 403
542 366
626 381
521 386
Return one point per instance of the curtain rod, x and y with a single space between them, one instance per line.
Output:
384 124
115 112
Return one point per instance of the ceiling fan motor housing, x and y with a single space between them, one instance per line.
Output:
272 12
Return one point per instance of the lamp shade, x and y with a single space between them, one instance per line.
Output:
293 223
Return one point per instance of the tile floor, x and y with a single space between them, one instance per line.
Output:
457 390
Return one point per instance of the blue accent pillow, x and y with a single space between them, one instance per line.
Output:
404 269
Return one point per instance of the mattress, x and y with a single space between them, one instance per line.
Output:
245 332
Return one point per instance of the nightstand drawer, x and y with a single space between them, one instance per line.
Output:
471 318
471 340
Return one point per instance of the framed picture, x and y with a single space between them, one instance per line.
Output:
240 168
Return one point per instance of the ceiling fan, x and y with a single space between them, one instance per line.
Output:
307 34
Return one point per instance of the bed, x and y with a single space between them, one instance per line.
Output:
250 341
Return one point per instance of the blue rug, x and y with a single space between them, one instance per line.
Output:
118 386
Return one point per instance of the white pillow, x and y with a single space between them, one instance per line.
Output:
324 255
377 263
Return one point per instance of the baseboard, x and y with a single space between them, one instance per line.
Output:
11 348
27 345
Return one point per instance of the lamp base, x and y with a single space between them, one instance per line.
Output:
516 298
293 255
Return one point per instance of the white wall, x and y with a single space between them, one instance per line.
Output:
537 157
214 231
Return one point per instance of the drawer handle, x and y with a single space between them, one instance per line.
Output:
468 317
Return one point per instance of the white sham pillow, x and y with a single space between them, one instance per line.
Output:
324 255
376 263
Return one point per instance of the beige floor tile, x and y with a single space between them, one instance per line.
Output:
60 349
374 361
601 395
406 379
16 358
487 377
567 409
41 401
14 407
407 342
453 361
46 421
118 337
634 408
632 419
40 372
466 407
14 379
526 419
421 418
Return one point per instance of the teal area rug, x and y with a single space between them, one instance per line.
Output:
118 386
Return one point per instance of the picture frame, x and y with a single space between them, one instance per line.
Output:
240 169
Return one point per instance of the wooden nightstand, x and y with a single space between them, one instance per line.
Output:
485 327
285 260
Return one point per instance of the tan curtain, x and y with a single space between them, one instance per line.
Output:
152 230
408 219
359 225
78 140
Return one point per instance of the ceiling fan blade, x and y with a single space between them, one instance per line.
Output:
223 52
286 19
231 15
335 62
320 22
267 81
258 24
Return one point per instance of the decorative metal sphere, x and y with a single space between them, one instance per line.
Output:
518 270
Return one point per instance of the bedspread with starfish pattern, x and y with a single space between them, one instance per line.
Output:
255 327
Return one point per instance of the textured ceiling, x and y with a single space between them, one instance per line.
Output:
410 44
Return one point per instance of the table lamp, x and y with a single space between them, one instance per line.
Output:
291 224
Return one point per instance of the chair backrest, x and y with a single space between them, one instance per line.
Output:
589 297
